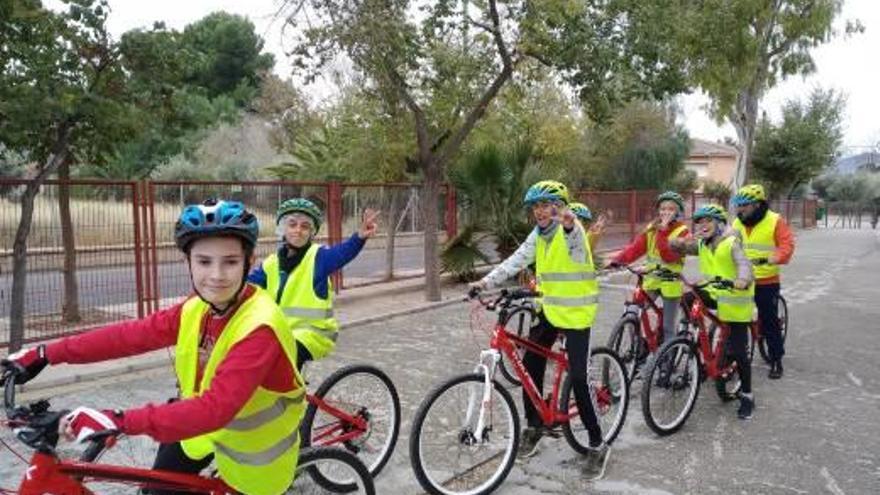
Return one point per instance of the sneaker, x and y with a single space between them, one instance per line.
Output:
775 370
746 407
528 442
597 459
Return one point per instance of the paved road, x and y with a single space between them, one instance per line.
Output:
815 431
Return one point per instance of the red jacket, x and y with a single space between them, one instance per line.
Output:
258 360
639 247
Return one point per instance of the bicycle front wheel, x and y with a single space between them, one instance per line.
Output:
609 390
519 322
628 343
341 463
363 393
670 385
448 454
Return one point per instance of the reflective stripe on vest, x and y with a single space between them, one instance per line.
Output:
669 289
566 277
570 289
760 243
247 451
308 313
734 305
263 457
302 307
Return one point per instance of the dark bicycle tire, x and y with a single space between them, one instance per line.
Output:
628 328
311 455
782 313
334 379
518 317
609 357
649 382
420 463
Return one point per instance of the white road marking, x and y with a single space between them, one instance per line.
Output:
823 391
853 378
830 482
717 448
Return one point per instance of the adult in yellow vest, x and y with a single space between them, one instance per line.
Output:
766 237
297 276
241 397
653 244
570 292
721 255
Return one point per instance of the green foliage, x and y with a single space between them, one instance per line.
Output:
490 184
803 145
685 182
639 148
717 192
229 59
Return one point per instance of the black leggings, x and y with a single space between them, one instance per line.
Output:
737 343
577 345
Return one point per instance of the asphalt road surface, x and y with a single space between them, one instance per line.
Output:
815 431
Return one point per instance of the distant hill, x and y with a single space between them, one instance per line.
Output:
854 163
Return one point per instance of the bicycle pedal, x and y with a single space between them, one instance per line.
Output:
555 432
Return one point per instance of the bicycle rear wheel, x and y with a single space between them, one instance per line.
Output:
519 322
670 386
446 455
782 315
609 387
360 391
627 342
342 463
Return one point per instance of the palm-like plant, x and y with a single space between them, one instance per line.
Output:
490 184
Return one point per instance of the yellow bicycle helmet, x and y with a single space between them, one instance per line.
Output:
748 194
546 190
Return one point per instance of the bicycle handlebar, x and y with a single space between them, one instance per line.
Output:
717 282
658 271
504 299
36 425
761 261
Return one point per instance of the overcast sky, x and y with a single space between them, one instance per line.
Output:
846 64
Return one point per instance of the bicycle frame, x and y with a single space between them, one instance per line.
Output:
711 351
506 342
346 429
48 474
645 304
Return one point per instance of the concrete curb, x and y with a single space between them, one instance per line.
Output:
123 369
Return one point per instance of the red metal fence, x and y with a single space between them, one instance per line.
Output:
127 265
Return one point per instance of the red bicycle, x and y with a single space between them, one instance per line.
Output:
36 425
356 408
466 432
671 381
639 331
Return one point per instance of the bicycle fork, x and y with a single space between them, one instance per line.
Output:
488 363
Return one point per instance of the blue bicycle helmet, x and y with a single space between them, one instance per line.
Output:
546 190
581 211
216 218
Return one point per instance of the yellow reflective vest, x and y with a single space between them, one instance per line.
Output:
668 289
308 316
257 452
570 292
760 243
734 305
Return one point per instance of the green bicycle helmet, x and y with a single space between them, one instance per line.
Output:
546 190
671 196
713 211
581 211
748 194
300 205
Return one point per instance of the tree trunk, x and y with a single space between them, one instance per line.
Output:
19 247
70 306
744 119
431 215
392 209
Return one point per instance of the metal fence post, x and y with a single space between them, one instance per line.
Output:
334 224
633 214
138 242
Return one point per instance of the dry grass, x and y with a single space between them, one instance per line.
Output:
96 222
